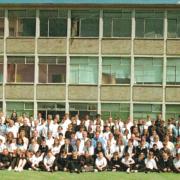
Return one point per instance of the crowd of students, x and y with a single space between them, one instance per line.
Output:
84 145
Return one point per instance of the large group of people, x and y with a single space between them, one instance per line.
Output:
79 145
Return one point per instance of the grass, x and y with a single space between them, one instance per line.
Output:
31 175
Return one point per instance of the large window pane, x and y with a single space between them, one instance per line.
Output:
83 109
84 70
51 108
22 22
115 110
20 69
1 22
20 107
148 70
173 71
1 69
149 24
85 23
52 70
116 70
117 23
173 24
142 110
172 111
1 106
53 23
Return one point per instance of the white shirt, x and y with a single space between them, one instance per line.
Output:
55 149
176 163
49 161
159 144
150 164
2 147
127 161
101 162
12 129
50 142
33 147
36 160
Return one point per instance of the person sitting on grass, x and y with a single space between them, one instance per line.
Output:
61 162
48 163
87 162
100 162
150 163
115 162
176 163
127 163
5 159
74 163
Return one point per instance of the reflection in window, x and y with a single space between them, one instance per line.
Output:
22 22
21 108
84 70
117 23
1 69
149 24
173 71
52 70
20 69
85 23
148 70
116 70
142 110
1 22
115 110
173 24
83 109
53 23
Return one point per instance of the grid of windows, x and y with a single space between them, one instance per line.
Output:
172 111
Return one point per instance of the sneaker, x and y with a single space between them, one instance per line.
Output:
95 170
128 170
16 168
10 168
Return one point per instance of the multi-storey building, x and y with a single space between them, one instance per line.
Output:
113 57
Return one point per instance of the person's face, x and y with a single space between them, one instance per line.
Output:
100 155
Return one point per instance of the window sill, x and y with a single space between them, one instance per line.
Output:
76 37
19 83
83 84
115 84
148 85
146 38
21 37
114 38
51 83
44 37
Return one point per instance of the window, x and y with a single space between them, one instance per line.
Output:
85 23
22 22
116 70
173 24
83 109
83 70
1 106
1 69
53 23
148 70
20 69
52 108
115 110
20 107
173 71
52 70
142 110
1 23
149 24
172 111
117 23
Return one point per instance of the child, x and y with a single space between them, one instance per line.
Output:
101 162
21 162
150 163
2 146
87 162
127 163
48 162
115 162
36 159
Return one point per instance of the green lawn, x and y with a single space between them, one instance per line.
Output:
31 175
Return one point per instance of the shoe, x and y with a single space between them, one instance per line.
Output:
16 168
10 168
128 170
95 170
